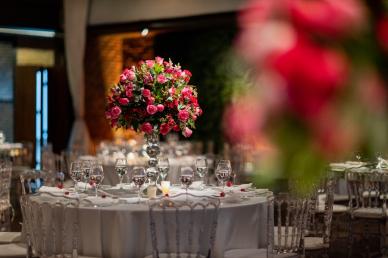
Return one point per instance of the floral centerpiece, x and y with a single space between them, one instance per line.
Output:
154 97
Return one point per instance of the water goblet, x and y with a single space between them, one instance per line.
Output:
96 176
138 178
201 169
86 168
187 177
121 168
76 173
223 171
163 167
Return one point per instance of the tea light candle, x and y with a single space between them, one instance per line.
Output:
165 187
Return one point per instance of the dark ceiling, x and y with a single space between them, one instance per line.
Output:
44 14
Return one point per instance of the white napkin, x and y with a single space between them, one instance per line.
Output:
196 185
102 202
81 185
238 188
124 186
133 200
51 189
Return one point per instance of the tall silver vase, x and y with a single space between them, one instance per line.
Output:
153 150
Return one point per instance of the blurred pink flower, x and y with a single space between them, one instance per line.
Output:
146 127
164 129
327 17
150 63
187 132
161 78
152 109
123 101
382 32
160 107
313 75
159 60
146 93
372 92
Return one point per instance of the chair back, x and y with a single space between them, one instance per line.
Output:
367 189
184 224
286 231
46 237
6 210
32 180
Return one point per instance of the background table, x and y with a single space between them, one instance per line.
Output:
122 230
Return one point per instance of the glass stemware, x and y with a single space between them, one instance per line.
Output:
223 171
121 168
86 168
96 176
138 178
163 167
187 177
201 169
76 173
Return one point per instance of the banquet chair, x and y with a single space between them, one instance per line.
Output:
369 191
286 223
183 226
31 180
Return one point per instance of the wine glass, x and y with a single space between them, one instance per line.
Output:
76 173
138 178
121 168
86 168
187 177
163 167
201 168
223 171
96 176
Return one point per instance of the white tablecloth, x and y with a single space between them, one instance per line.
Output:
122 230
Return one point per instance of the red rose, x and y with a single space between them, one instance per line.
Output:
164 129
160 107
146 127
183 115
152 109
171 123
146 93
115 112
123 101
187 132
176 128
186 92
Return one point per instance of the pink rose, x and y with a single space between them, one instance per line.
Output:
164 129
146 127
150 100
159 60
148 79
129 93
150 63
160 107
152 109
131 75
187 132
183 115
186 92
127 75
171 91
108 115
146 93
123 101
161 78
115 112
198 111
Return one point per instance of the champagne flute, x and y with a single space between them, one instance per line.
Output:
163 167
201 168
138 178
76 173
187 177
121 168
96 176
223 171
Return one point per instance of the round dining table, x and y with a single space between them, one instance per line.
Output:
114 228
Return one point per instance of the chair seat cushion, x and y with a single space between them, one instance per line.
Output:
173 255
341 197
369 213
13 250
255 253
10 237
315 243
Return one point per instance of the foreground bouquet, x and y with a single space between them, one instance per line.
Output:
154 97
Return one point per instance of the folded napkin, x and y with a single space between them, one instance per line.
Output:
51 189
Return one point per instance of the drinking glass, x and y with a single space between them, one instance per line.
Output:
76 173
201 168
187 177
86 168
223 171
138 178
163 167
121 168
96 176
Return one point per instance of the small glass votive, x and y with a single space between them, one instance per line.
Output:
165 187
